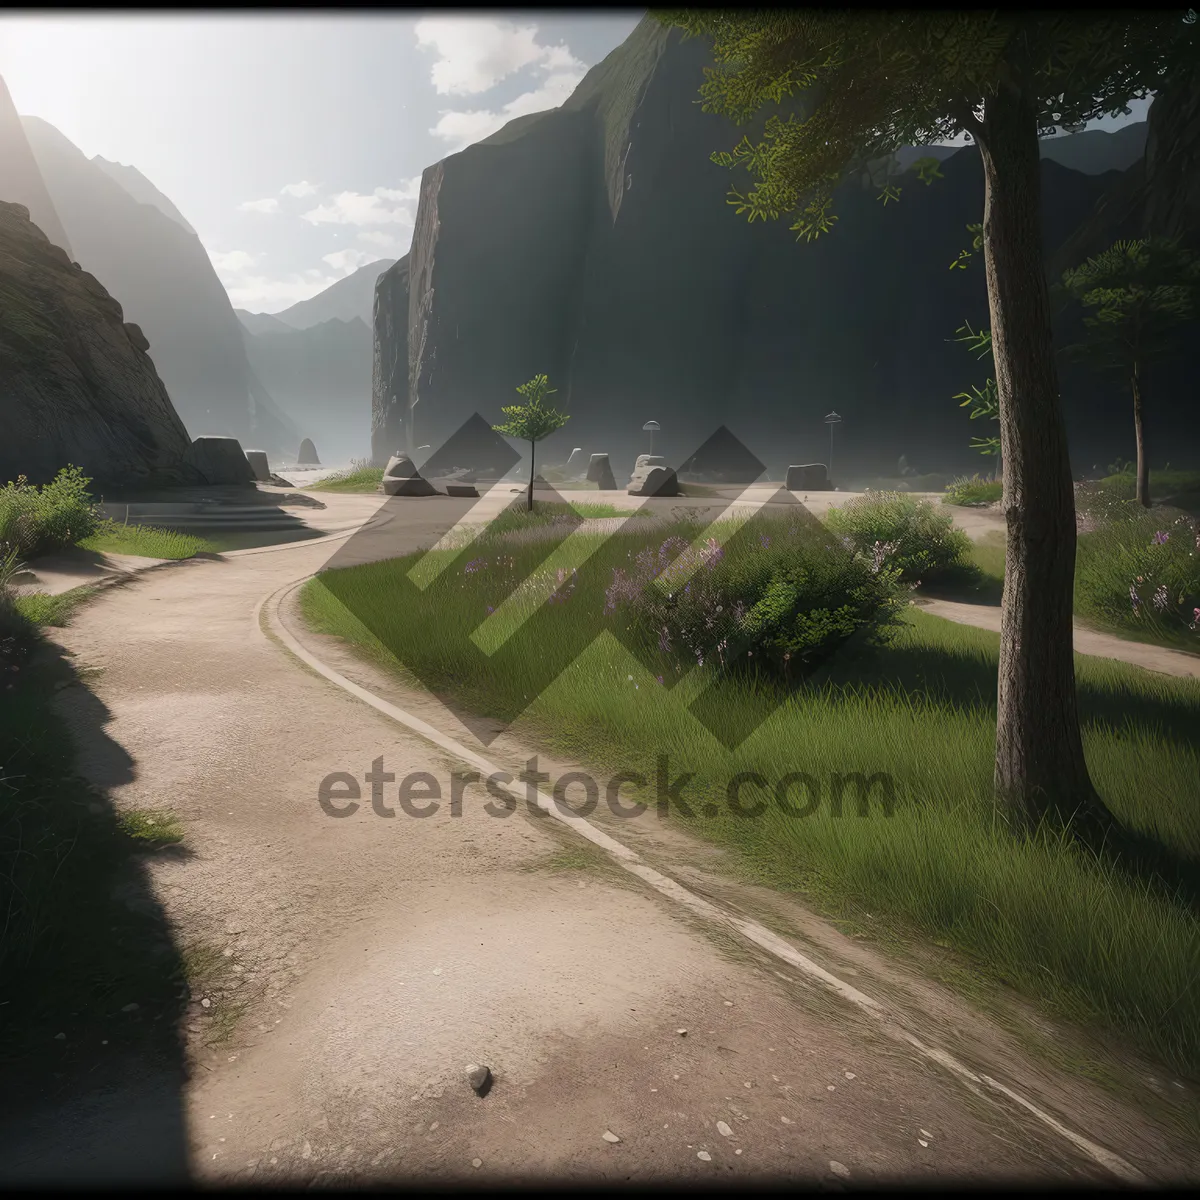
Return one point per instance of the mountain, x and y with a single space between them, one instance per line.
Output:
164 280
637 289
141 189
348 298
321 376
76 384
20 180
260 322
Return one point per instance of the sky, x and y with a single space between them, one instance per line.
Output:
294 141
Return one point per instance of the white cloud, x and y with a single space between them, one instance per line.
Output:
460 129
349 260
377 237
270 205
299 190
475 54
259 294
231 262
383 206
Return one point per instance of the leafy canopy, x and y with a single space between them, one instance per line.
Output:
859 84
1139 295
532 420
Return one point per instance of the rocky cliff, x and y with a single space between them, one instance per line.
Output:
594 243
163 278
76 383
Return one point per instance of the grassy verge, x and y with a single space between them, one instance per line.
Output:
973 491
147 541
41 609
1065 928
358 478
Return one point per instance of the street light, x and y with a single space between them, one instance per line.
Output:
651 427
831 419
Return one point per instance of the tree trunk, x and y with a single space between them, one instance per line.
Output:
1040 767
532 453
1143 463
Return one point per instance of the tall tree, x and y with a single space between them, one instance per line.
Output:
860 85
532 420
1139 295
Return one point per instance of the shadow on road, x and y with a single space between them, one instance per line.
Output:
91 980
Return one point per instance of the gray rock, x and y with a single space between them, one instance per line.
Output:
461 489
219 460
478 1076
610 1137
600 473
279 481
401 478
75 388
808 477
307 457
649 460
137 337
654 481
259 465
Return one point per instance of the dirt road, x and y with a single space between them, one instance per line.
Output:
371 958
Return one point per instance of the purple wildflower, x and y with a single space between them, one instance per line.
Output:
1161 538
1134 599
476 564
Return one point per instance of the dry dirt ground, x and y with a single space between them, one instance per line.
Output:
367 960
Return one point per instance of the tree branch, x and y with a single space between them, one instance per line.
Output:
969 121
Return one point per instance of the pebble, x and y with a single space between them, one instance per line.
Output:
850 1075
681 1032
922 1142
609 1136
926 1133
478 1076
437 970
831 1088
840 1170
786 1120
206 1003
704 1156
433 1126
724 1130
728 1003
737 1151
60 1037
477 1162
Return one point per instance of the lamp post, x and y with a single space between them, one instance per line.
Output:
831 419
651 427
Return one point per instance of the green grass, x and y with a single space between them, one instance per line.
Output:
1042 915
41 609
148 541
973 490
1163 484
358 478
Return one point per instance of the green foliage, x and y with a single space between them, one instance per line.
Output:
1138 296
923 537
533 420
859 84
148 541
985 401
37 520
965 256
360 476
1140 574
973 490
774 597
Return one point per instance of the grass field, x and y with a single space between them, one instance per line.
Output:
148 541
355 479
1088 941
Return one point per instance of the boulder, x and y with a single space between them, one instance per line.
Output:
308 454
808 477
653 480
74 387
401 478
649 460
279 481
219 460
461 489
259 465
600 473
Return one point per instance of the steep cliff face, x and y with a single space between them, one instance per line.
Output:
76 383
1172 164
162 276
595 243
389 365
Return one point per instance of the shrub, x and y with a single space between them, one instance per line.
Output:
776 597
37 520
1142 574
924 539
970 490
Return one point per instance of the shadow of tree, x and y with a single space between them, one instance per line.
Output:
91 979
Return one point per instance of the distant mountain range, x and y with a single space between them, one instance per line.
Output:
351 297
137 243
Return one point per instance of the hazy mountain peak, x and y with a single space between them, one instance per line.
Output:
141 189
351 297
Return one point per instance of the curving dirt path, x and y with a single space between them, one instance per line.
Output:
376 956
